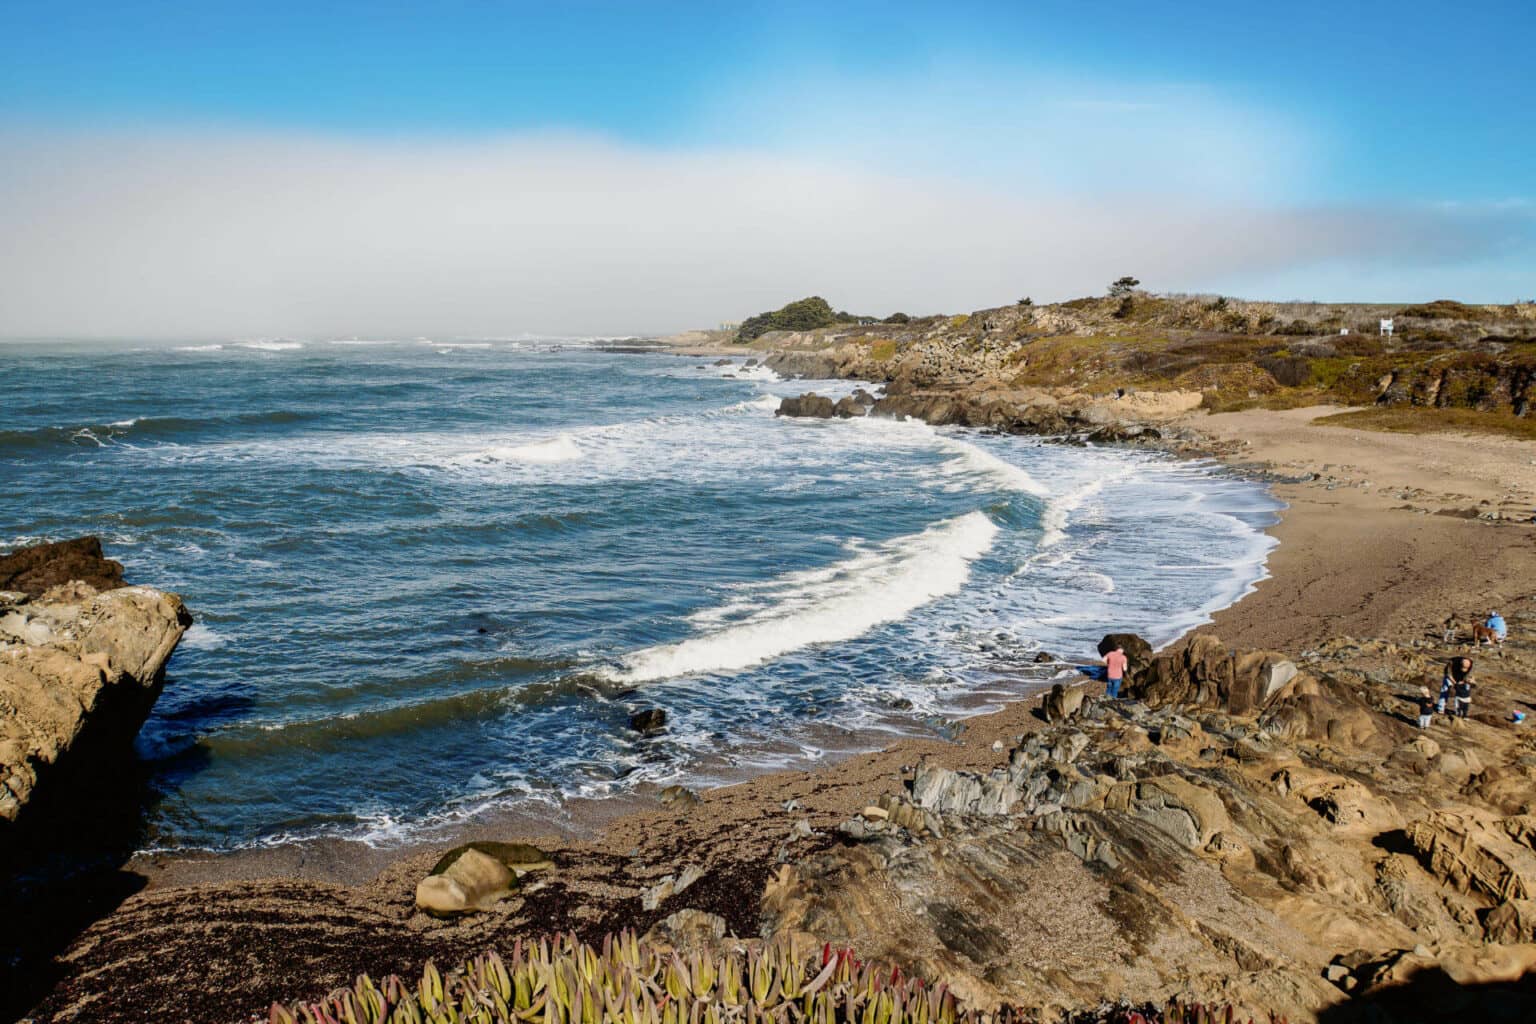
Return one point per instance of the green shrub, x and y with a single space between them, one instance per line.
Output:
800 315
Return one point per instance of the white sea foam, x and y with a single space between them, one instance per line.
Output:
970 460
199 637
840 602
200 348
271 346
974 459
557 449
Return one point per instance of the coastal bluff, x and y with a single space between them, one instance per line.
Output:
82 660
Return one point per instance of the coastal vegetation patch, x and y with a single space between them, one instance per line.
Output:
1419 420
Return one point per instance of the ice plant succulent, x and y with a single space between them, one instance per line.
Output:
628 981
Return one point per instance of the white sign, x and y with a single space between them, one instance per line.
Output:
1386 328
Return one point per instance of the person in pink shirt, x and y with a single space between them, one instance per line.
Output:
1115 663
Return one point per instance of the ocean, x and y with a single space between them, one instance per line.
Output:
434 579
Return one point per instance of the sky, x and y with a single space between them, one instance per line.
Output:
490 168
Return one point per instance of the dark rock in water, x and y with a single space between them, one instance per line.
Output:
809 404
847 408
863 397
1137 651
1044 657
750 363
33 570
722 362
652 720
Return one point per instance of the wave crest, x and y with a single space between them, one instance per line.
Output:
840 602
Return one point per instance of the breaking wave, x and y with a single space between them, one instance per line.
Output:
839 602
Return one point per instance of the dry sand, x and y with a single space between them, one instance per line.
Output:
1385 539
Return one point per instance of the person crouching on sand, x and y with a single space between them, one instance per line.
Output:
1115 663
1497 628
1426 707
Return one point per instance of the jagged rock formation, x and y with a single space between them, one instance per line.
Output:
1014 411
80 666
1247 830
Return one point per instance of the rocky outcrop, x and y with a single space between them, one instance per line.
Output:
35 569
1249 830
1014 412
809 405
79 667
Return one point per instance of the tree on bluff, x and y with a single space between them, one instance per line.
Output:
1124 286
801 315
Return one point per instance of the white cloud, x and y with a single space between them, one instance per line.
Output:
164 234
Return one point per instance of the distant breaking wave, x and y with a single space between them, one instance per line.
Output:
139 428
558 449
821 606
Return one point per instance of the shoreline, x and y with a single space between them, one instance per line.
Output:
1307 526
1364 551
584 820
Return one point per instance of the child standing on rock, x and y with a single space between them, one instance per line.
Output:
1464 697
1426 707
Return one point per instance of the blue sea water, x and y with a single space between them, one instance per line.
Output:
432 579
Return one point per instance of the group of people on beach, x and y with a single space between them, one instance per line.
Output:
1457 683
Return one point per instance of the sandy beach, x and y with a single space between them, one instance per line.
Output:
1376 542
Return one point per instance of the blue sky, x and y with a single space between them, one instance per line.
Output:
1413 117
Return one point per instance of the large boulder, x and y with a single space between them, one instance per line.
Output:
1138 652
35 569
810 405
1205 673
79 671
476 876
